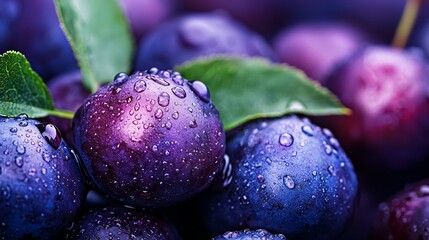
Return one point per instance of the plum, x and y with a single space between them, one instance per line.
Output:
387 90
198 35
145 15
37 34
259 234
120 223
41 187
150 139
261 16
405 215
68 93
285 175
317 48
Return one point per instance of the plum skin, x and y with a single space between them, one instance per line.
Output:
259 234
120 223
288 176
144 140
405 215
386 89
197 35
41 187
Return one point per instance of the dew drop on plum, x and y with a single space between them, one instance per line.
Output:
286 139
164 99
179 92
140 86
120 78
308 130
51 134
289 182
201 90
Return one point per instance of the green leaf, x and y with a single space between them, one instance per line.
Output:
247 88
100 38
22 90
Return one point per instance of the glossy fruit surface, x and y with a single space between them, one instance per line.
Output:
285 175
198 35
259 234
150 139
120 223
41 188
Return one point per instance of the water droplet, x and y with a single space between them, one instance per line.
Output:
158 113
168 125
140 86
155 148
261 178
331 170
314 173
328 149
288 182
190 109
51 134
193 124
46 157
226 171
201 90
5 192
164 99
334 142
20 149
327 132
6 151
19 161
159 80
177 78
179 92
286 139
308 130
43 171
153 70
175 115
296 105
13 130
149 108
32 171
22 117
120 78
136 106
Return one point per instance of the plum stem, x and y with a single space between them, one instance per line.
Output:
61 113
406 23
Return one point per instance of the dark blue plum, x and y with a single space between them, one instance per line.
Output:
37 34
68 93
146 15
405 215
284 175
198 35
41 187
9 11
317 48
249 234
150 139
120 223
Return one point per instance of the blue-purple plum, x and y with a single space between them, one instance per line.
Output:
68 93
264 17
248 234
120 223
150 139
198 35
405 215
146 15
284 175
41 187
317 48
37 34
387 90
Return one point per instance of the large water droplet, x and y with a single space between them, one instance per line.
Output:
13 130
296 105
20 149
286 139
51 134
201 90
179 92
153 70
23 118
308 130
120 78
164 99
140 86
288 182
177 78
